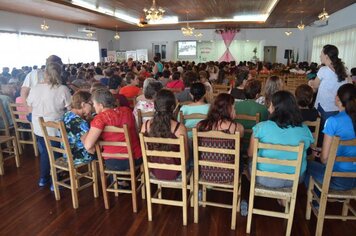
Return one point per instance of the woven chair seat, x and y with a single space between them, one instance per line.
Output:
62 162
351 194
4 139
278 192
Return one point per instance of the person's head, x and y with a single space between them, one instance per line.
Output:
241 78
346 99
108 72
53 73
203 75
166 74
156 59
330 57
54 59
284 110
189 78
131 78
176 76
252 88
97 85
103 99
151 89
81 101
115 82
197 91
164 103
273 84
304 95
221 110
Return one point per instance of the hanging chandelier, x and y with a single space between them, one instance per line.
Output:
44 26
187 31
117 36
323 16
288 33
301 25
198 35
154 13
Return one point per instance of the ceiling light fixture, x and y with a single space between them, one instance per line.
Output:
90 34
323 16
44 26
288 32
198 34
187 31
301 26
117 36
154 13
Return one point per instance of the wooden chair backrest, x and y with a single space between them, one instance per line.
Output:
17 114
3 117
194 116
221 88
332 158
141 115
270 160
126 143
64 148
316 125
178 155
216 135
256 118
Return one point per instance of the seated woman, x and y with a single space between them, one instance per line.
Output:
146 104
163 125
220 118
284 127
110 115
77 127
197 92
239 91
344 126
273 84
176 85
304 95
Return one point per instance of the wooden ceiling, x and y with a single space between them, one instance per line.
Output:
287 13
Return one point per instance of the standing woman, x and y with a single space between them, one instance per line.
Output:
329 79
49 100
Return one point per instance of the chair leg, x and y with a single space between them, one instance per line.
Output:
239 198
191 190
35 148
286 208
204 195
116 186
57 194
94 174
143 188
104 187
19 145
185 205
309 198
159 191
134 193
250 208
321 214
1 162
196 202
149 202
16 152
235 199
291 215
345 208
74 187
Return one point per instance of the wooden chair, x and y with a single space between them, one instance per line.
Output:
65 163
220 88
234 187
180 183
195 116
316 127
10 151
22 127
288 194
126 175
329 194
247 129
140 117
7 128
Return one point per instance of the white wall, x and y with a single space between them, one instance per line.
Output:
268 37
29 24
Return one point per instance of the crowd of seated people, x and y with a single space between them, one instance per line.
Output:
108 89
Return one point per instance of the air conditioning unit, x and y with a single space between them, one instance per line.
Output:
86 30
319 23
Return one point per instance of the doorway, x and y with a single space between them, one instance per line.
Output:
270 54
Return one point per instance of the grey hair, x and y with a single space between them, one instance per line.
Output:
103 96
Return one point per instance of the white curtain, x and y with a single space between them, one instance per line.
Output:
28 50
344 40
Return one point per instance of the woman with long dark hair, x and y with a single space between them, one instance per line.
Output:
163 125
329 79
344 126
284 127
220 118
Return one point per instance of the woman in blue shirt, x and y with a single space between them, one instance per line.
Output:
284 127
344 126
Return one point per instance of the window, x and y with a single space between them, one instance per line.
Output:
28 50
344 40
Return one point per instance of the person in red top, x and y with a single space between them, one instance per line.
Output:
131 90
176 85
108 115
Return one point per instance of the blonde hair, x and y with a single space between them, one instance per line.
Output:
273 84
53 73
